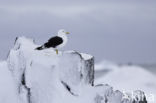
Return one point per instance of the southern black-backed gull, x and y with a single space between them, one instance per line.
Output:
56 42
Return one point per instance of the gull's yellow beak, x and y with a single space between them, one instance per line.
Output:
67 33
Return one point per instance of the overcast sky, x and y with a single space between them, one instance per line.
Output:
119 31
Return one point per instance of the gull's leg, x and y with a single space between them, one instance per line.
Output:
56 51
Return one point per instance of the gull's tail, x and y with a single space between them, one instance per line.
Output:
40 47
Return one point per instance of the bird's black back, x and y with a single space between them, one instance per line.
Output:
54 42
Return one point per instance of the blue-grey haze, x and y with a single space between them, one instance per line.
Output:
120 31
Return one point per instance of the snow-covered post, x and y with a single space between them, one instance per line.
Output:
88 68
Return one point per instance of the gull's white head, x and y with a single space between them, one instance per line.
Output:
62 32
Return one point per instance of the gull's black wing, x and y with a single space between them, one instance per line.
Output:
54 42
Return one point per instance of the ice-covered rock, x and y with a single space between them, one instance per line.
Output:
44 73
45 77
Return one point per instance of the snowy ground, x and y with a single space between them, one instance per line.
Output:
129 78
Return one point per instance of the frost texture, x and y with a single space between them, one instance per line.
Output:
45 77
